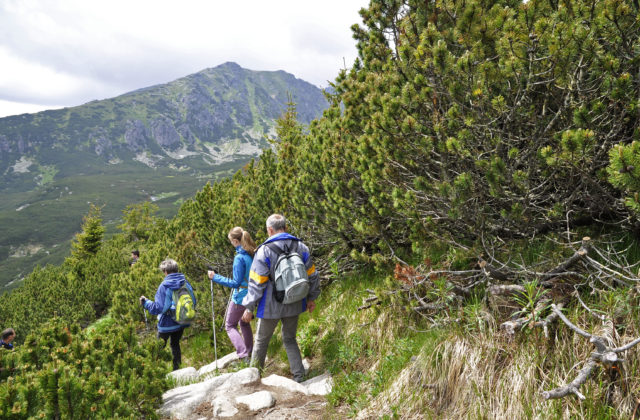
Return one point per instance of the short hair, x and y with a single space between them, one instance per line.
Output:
169 266
136 252
8 333
277 222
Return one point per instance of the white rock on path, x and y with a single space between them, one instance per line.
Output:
182 401
320 385
241 377
286 383
257 401
223 406
222 363
182 376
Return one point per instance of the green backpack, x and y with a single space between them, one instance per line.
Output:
183 309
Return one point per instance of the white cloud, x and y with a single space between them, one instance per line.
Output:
72 51
17 108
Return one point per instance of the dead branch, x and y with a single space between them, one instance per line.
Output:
430 307
603 354
573 387
577 256
491 272
550 319
505 289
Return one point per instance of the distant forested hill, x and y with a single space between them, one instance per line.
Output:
160 144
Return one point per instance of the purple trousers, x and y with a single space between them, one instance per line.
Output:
243 343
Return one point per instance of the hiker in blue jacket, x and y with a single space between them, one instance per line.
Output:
245 248
167 327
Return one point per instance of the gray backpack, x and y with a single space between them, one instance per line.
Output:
289 274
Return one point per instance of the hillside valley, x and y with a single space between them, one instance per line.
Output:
158 144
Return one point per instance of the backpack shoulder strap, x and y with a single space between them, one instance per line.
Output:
274 248
279 251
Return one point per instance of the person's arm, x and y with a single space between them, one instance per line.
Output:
258 280
238 273
314 282
159 306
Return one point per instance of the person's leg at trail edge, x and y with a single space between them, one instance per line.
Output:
247 336
175 348
234 313
289 329
264 331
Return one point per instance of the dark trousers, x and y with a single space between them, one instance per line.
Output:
175 345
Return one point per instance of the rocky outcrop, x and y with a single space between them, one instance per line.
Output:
103 146
242 394
136 135
187 135
5 146
23 145
164 133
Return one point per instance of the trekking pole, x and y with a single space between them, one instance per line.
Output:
226 312
213 322
146 323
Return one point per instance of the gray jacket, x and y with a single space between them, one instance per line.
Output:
260 294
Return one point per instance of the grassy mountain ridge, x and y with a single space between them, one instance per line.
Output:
163 141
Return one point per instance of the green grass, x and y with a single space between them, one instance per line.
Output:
198 349
101 326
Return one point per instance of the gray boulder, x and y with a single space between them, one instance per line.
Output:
286 383
320 385
223 406
183 376
222 363
180 402
257 401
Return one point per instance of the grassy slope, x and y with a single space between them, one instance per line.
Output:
49 214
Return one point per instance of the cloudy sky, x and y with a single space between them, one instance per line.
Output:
56 53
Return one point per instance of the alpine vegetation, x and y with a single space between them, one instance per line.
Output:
470 202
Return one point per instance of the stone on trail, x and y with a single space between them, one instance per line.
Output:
223 406
222 363
320 385
181 402
306 365
241 377
182 376
286 383
257 401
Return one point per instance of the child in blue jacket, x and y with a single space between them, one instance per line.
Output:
245 248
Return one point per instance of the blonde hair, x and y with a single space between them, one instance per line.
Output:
246 242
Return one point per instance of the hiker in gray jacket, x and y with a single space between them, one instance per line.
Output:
261 297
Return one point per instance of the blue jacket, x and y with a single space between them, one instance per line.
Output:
164 302
241 267
8 346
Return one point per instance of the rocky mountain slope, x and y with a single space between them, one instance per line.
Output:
213 114
160 143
